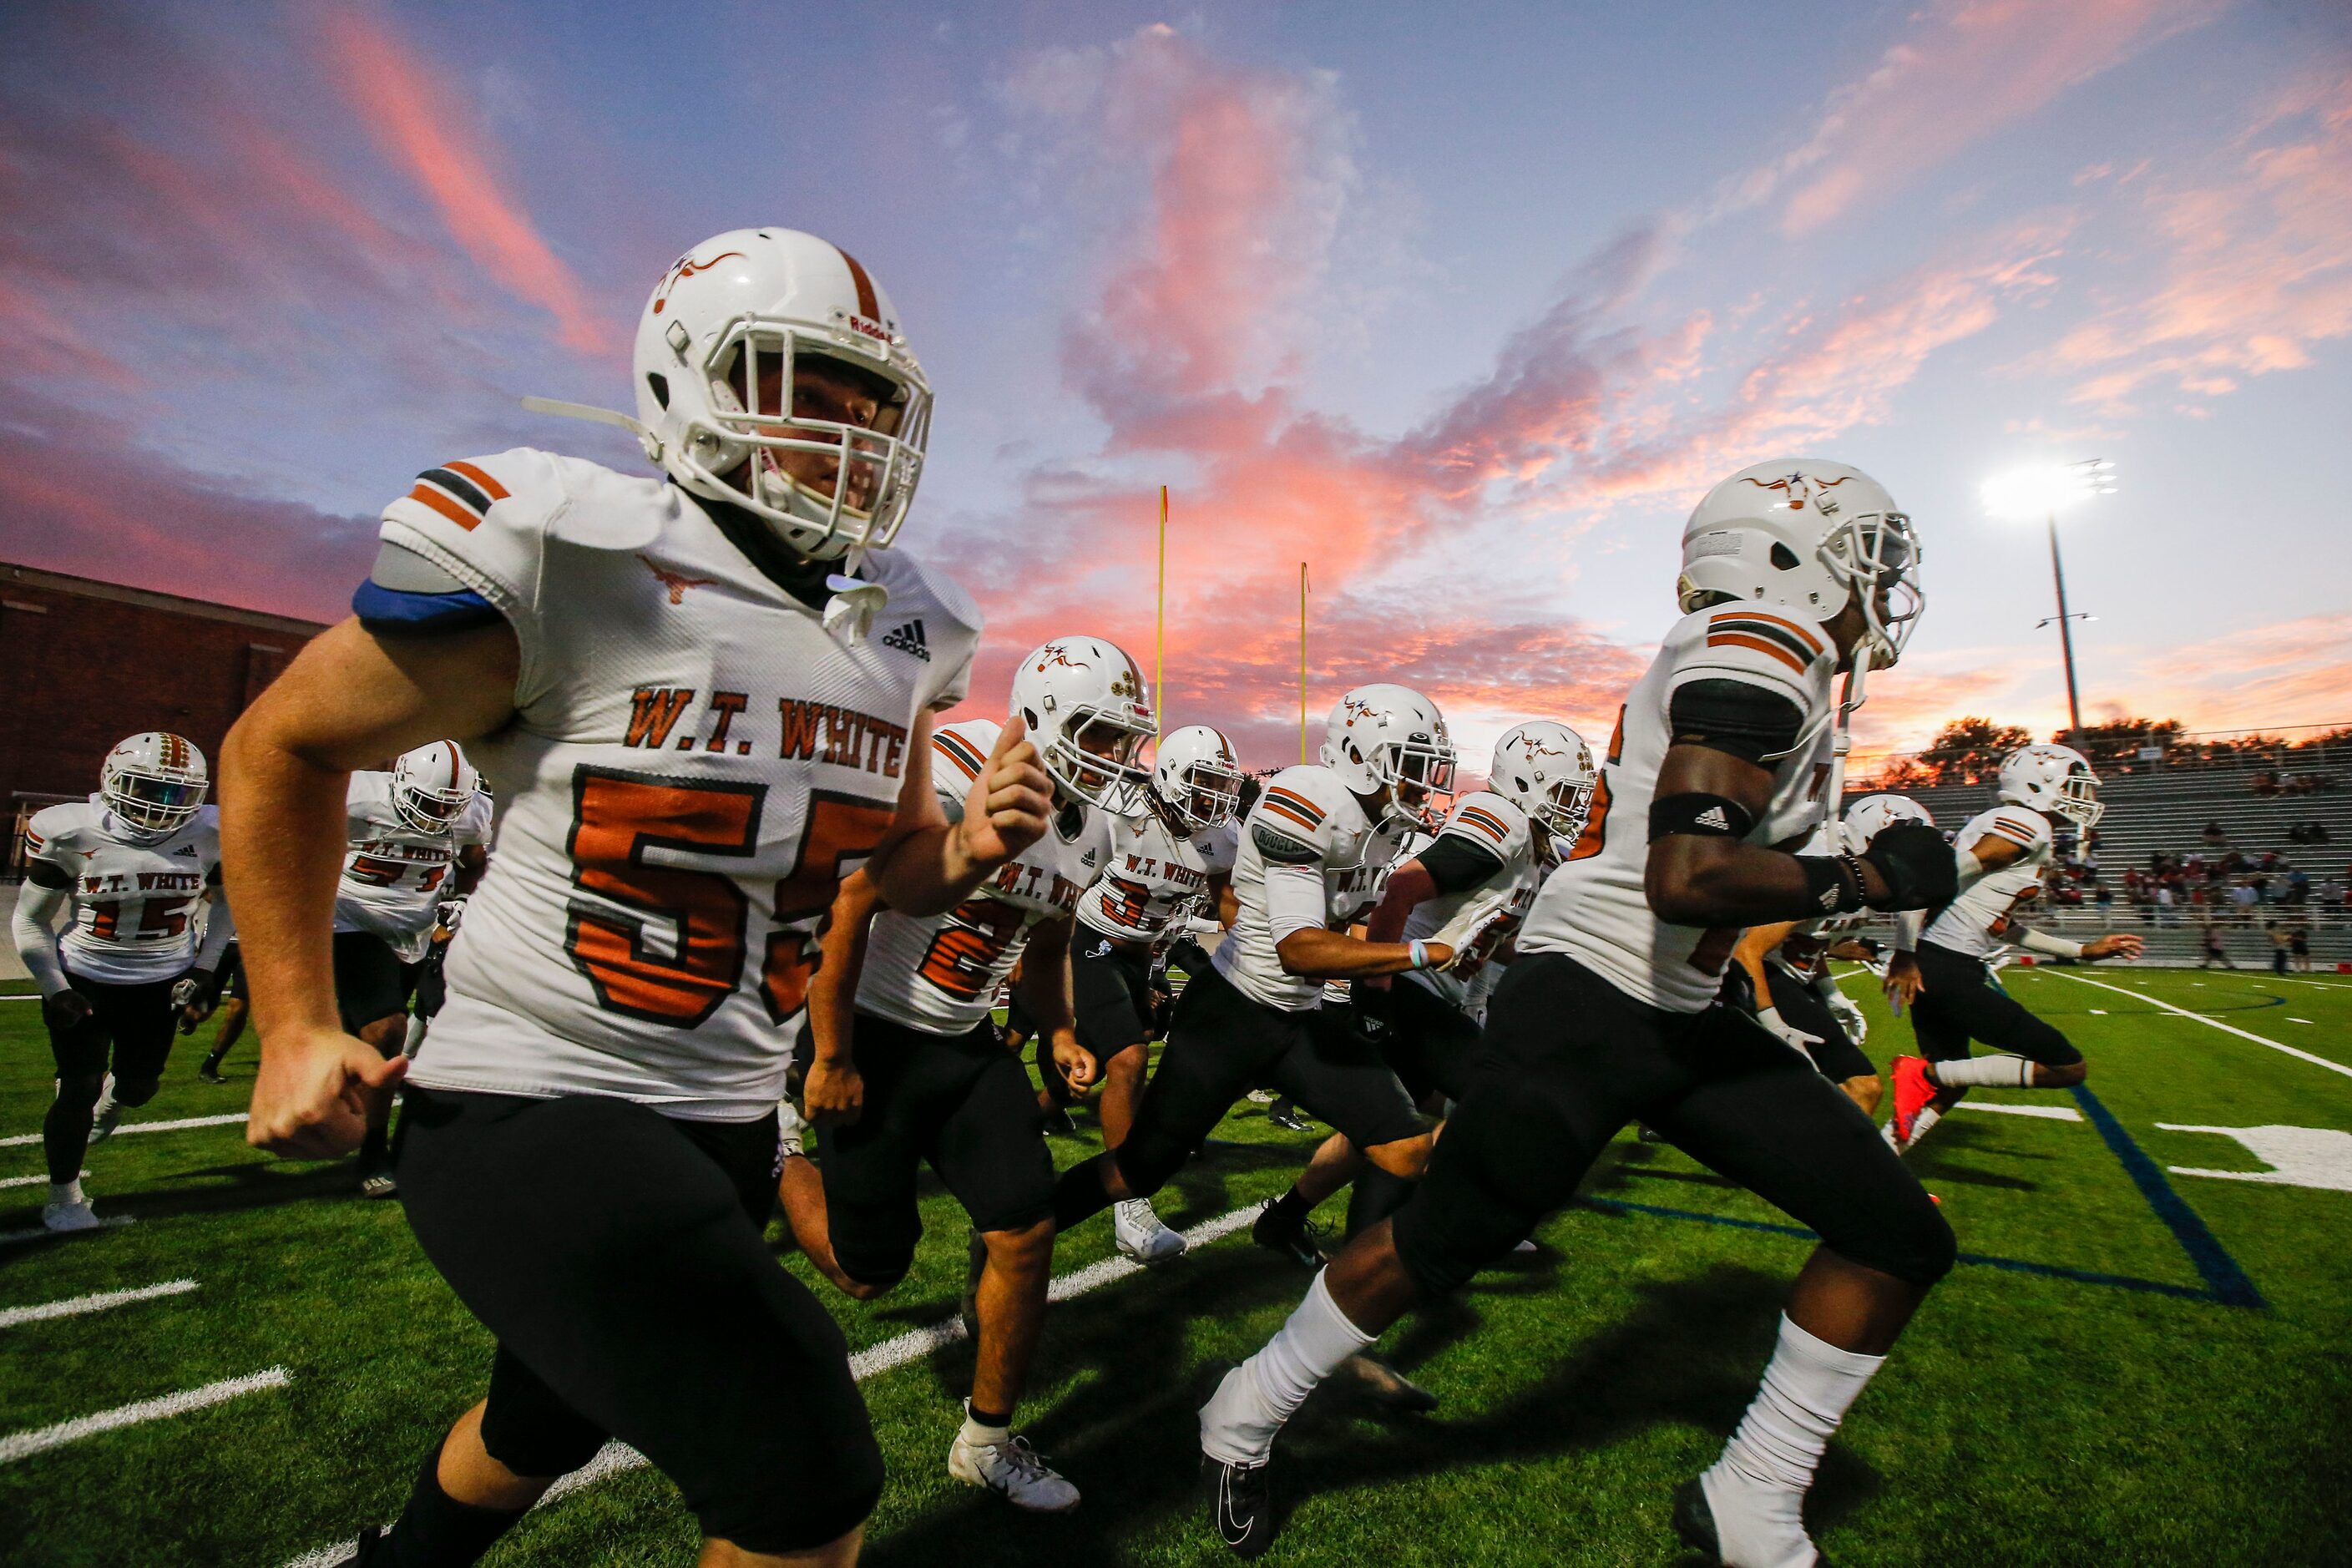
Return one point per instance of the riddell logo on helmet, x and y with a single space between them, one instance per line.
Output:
859 325
684 268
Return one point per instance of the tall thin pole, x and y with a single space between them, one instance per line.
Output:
1159 635
2065 638
1302 662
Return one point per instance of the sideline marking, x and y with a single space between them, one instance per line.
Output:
21 1139
22 1445
2223 1279
617 1457
2296 1156
11 1316
2047 1112
2216 1022
29 1180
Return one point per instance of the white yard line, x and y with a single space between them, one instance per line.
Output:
26 1181
2047 1112
11 1316
616 1458
2216 1022
40 1439
22 1139
43 1232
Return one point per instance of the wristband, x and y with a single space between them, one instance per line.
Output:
1420 954
1832 882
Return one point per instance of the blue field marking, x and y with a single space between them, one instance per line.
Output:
2014 1265
2223 1279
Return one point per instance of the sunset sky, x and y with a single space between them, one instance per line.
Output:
1463 306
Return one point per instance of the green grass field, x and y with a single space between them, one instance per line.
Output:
2128 1369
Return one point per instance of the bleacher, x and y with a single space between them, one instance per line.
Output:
2164 806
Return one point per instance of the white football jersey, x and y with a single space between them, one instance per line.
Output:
1594 907
1499 827
395 877
694 765
1978 916
941 973
135 905
1155 877
1321 835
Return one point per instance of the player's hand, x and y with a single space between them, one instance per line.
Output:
64 1009
195 995
834 1092
1443 955
1904 982
1010 804
1076 1062
2115 944
310 1098
1848 1012
1770 1019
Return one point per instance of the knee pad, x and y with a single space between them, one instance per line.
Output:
81 1088
1919 1248
877 1256
539 1440
132 1092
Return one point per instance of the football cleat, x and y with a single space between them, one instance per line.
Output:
1284 1115
1014 1471
379 1185
1301 1243
210 1072
1387 1388
1913 1092
1058 1123
366 1549
72 1215
1139 1233
103 1119
1242 1506
1694 1521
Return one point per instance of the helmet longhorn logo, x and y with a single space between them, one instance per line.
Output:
1054 655
1800 487
1355 710
684 268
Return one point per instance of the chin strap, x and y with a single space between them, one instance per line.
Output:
646 438
849 613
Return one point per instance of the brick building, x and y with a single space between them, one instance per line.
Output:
88 663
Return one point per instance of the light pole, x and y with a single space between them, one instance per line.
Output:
2045 492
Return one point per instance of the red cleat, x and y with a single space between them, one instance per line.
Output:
1913 1092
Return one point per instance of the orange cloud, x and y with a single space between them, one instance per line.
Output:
419 124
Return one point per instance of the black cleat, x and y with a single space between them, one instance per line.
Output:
210 1072
1290 1121
1302 1244
1694 1523
366 1549
1242 1506
1058 1123
1387 1388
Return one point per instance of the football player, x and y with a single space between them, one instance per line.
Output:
908 1068
1791 571
1168 862
670 683
1316 851
416 838
1942 977
1785 967
232 1005
129 867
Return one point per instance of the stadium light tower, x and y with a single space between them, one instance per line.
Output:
2044 492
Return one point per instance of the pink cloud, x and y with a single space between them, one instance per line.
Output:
428 132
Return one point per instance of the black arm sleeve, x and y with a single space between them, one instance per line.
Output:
1733 717
42 874
1455 863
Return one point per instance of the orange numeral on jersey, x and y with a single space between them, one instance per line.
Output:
840 827
1596 822
964 954
164 919
103 919
1124 900
616 818
375 871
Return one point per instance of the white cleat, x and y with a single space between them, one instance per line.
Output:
105 1116
1014 1471
71 1215
1139 1233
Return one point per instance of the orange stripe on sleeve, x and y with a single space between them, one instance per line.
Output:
445 506
1272 804
490 487
1738 639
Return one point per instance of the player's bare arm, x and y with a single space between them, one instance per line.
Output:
348 699
1755 944
1043 984
834 1090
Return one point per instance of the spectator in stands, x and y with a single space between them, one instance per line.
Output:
2265 784
2164 915
2214 950
2105 897
2245 898
2215 835
2298 888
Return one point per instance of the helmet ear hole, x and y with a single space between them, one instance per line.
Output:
1029 717
659 384
1784 557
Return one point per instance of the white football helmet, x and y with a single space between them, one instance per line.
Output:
725 314
1801 535
2053 778
1546 771
1393 737
433 785
1197 777
1873 814
154 782
1089 713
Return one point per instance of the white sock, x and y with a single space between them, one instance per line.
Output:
67 1192
1983 1073
980 1437
1757 1490
1238 1424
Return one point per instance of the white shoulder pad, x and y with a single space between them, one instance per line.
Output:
1219 847
59 835
959 752
1762 647
2029 830
485 521
1489 821
945 623
475 827
1304 805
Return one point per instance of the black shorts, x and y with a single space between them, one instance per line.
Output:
618 1255
1018 1023
1429 1041
961 1103
371 982
1111 992
1801 1007
1567 1059
233 961
1222 1043
136 1019
1961 1003
432 987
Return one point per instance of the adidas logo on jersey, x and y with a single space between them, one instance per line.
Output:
908 638
186 849
1713 817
